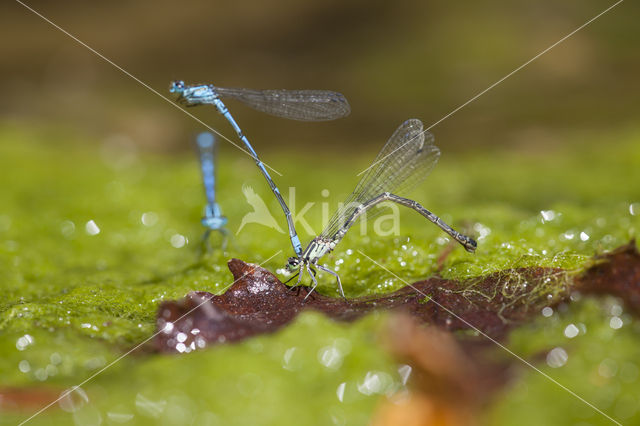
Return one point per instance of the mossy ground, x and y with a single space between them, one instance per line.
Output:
74 300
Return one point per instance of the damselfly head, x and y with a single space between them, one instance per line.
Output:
176 86
293 264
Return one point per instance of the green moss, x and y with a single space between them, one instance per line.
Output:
424 300
86 299
601 366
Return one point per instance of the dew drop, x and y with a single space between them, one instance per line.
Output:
92 228
340 391
178 240
557 357
24 366
615 322
73 399
149 218
571 331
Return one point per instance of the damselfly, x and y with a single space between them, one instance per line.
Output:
212 219
305 105
405 161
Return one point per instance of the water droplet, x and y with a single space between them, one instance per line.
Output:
41 374
634 209
94 363
51 370
24 366
67 228
24 341
584 236
92 228
55 358
375 382
287 359
330 357
200 342
615 310
340 391
615 322
442 240
73 399
557 357
405 372
149 218
571 331
482 231
148 407
548 215
337 416
178 240
87 416
119 417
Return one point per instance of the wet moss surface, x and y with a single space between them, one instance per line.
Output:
94 237
259 303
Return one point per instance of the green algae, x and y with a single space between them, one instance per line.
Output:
601 366
84 298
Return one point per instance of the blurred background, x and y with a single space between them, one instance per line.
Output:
393 61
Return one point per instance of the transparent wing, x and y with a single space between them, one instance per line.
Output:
304 105
404 162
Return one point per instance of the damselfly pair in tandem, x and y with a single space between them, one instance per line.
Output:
405 161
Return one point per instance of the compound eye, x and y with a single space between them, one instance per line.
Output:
177 86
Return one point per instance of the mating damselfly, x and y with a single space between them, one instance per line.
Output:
405 160
304 105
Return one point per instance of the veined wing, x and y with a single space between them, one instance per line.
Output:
405 161
304 105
